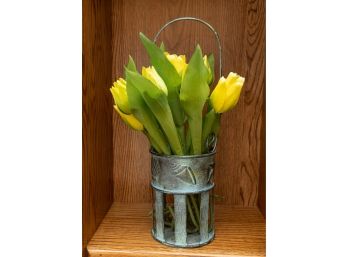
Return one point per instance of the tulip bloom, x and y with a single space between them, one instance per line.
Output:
171 78
178 61
157 101
151 74
119 92
129 119
226 93
143 113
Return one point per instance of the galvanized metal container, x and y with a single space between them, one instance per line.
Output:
183 178
183 186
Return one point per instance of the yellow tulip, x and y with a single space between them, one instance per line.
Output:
151 74
178 61
119 92
206 64
226 93
130 120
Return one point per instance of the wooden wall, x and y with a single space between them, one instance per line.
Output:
241 149
97 116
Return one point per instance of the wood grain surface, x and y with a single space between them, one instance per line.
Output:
241 151
262 175
97 157
125 231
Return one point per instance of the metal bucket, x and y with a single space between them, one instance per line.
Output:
188 180
183 186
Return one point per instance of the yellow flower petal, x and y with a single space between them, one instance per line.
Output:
226 94
217 97
179 62
130 120
234 84
119 92
151 74
123 81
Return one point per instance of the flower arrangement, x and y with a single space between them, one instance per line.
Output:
170 101
171 104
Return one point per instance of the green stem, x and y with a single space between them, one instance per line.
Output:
172 137
216 125
164 117
175 107
195 207
188 141
178 114
192 216
196 133
155 133
208 123
171 213
181 133
153 142
168 224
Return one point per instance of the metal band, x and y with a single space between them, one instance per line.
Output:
196 156
201 21
183 192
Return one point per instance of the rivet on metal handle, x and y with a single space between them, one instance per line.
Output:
201 21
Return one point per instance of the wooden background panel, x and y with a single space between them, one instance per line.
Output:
97 154
262 175
241 25
131 158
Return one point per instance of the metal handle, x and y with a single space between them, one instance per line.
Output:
201 21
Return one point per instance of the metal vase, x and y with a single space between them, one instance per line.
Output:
182 188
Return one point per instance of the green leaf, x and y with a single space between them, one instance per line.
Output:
157 101
153 143
162 47
193 95
169 75
164 68
181 132
188 141
211 62
142 112
131 64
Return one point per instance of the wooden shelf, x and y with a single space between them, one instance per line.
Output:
125 231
